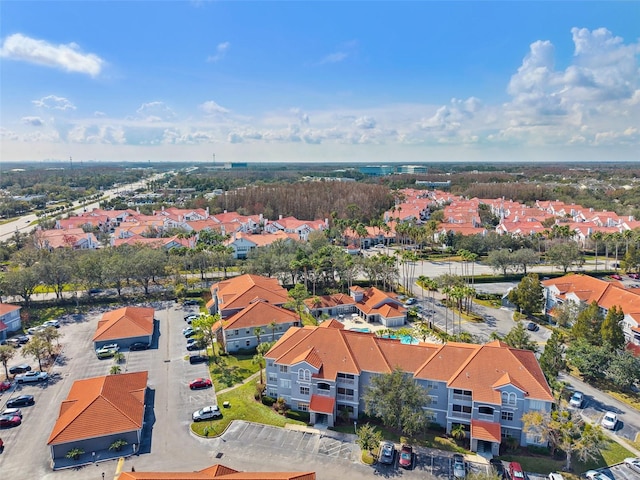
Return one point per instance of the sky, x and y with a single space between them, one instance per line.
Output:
320 81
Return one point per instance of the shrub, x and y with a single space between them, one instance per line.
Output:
300 416
268 401
538 450
280 406
118 444
74 453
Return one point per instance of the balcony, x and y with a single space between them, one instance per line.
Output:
486 417
346 381
323 393
464 398
346 398
463 415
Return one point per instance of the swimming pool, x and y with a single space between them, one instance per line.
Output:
362 330
404 339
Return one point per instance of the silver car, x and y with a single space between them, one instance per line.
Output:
576 399
206 413
633 463
31 377
459 468
387 452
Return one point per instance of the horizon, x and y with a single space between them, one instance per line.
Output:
320 82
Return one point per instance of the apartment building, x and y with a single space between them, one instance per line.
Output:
326 370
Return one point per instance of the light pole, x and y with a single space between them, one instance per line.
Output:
355 427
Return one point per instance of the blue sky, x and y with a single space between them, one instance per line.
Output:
320 81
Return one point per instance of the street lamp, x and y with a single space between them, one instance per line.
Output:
355 427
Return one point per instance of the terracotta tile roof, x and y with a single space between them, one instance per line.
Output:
101 406
8 308
328 301
240 292
125 322
258 314
331 323
216 472
480 368
489 431
322 404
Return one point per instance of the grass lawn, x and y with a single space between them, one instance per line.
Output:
229 370
242 407
612 453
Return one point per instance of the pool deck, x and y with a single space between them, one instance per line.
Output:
350 323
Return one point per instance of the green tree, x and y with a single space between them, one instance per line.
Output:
528 294
566 432
592 360
565 255
7 352
368 437
588 324
611 328
624 369
519 338
398 401
49 335
21 282
204 325
298 294
566 314
524 258
36 348
552 359
500 260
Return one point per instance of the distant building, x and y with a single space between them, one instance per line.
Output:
429 184
377 170
414 169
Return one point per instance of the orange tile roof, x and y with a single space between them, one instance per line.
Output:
216 472
331 323
480 368
239 292
327 301
125 322
101 406
8 308
322 404
489 431
258 314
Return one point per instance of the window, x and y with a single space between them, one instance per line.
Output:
248 343
285 383
457 391
304 390
433 398
534 438
283 368
269 363
273 378
536 405
346 376
347 408
235 332
303 407
345 391
324 386
273 393
509 398
485 410
304 375
507 416
248 332
462 408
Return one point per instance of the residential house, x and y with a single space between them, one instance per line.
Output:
75 238
97 412
125 326
217 472
242 243
326 370
9 319
259 322
584 290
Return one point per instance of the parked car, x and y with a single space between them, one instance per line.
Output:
498 467
406 456
459 468
193 359
206 413
52 323
533 327
615 276
14 342
22 339
7 421
379 245
555 476
594 475
12 411
32 377
34 330
191 302
22 368
190 318
411 301
200 383
5 385
107 351
193 346
138 346
609 420
515 471
633 463
387 453
576 399
21 401
188 332
634 275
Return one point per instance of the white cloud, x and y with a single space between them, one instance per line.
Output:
154 112
54 102
65 57
32 121
365 122
221 51
212 108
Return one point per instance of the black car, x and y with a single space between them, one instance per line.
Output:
138 346
22 339
498 467
533 327
23 368
21 401
193 359
191 302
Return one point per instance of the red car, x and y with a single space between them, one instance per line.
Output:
515 471
9 421
615 276
200 383
4 386
406 456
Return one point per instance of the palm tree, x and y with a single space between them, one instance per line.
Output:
273 326
597 237
257 332
258 359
